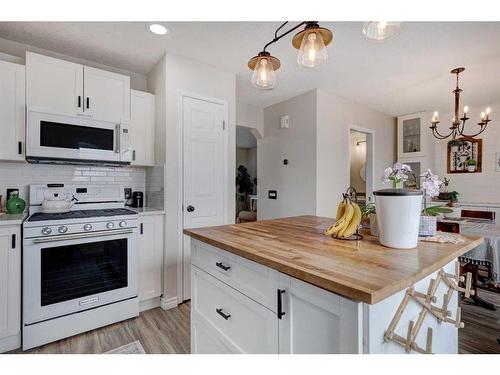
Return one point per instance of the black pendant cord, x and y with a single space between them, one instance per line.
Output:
278 37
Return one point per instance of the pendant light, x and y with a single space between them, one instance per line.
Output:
264 66
311 43
381 30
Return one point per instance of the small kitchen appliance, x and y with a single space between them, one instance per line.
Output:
137 199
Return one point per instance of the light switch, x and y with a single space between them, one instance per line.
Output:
284 122
272 194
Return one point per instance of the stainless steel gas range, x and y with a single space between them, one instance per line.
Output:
80 268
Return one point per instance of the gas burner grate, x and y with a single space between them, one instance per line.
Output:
80 214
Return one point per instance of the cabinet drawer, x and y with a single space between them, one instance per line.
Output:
254 280
242 324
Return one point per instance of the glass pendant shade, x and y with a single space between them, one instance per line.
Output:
312 50
380 30
264 76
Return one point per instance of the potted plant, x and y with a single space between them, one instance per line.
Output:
428 219
370 213
471 165
398 209
245 186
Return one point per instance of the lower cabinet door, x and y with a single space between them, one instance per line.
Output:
150 256
236 323
316 321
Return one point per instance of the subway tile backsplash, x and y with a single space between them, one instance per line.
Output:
21 175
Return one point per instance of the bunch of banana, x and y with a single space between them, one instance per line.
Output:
348 218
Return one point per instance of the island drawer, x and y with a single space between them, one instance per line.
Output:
239 323
258 282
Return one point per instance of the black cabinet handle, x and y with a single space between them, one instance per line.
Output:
221 265
280 303
79 101
20 147
190 208
13 241
88 102
142 228
133 155
219 311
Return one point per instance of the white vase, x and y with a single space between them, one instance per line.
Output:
428 226
471 168
398 217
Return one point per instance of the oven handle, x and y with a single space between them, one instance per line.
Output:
82 235
118 132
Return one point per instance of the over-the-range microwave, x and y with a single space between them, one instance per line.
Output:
52 138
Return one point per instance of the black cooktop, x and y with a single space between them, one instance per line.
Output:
80 214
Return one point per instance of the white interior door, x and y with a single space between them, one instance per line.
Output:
204 171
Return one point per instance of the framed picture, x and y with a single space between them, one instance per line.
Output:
465 155
497 162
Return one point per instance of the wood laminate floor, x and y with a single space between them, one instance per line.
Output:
168 332
482 327
158 331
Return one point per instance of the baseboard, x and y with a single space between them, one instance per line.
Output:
149 304
10 343
168 303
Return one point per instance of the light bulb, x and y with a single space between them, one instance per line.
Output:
488 110
380 30
436 114
158 29
263 76
483 115
312 50
466 109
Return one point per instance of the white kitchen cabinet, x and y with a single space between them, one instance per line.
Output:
150 256
53 85
142 127
412 135
107 95
10 288
316 321
61 87
12 106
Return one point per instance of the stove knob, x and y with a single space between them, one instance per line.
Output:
62 229
110 225
46 231
122 224
87 227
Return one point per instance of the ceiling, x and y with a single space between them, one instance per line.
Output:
245 138
406 74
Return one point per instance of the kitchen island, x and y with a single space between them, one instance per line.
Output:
280 286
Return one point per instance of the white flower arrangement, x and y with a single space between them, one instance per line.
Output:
430 184
396 174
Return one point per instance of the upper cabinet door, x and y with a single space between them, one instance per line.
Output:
53 86
106 95
411 135
142 127
12 105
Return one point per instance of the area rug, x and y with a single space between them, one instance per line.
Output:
132 348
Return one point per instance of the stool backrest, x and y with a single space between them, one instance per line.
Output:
487 215
448 227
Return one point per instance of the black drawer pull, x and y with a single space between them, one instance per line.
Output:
13 241
219 311
20 148
142 228
79 101
88 102
221 265
280 303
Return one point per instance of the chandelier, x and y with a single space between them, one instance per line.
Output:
311 43
458 123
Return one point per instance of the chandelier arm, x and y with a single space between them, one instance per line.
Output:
483 128
440 136
279 28
278 37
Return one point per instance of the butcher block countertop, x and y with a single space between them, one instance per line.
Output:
361 270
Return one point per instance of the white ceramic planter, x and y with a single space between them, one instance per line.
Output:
471 168
398 217
428 226
373 225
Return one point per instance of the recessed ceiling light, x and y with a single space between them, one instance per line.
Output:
157 29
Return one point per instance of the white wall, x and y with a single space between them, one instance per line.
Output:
317 146
17 52
474 187
250 116
358 159
295 182
335 117
186 75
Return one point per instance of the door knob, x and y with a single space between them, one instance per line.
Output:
190 208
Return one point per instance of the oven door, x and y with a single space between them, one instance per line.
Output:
71 273
55 137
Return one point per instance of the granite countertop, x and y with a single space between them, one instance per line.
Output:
361 270
143 211
16 219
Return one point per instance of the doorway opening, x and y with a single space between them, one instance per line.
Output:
361 163
246 175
